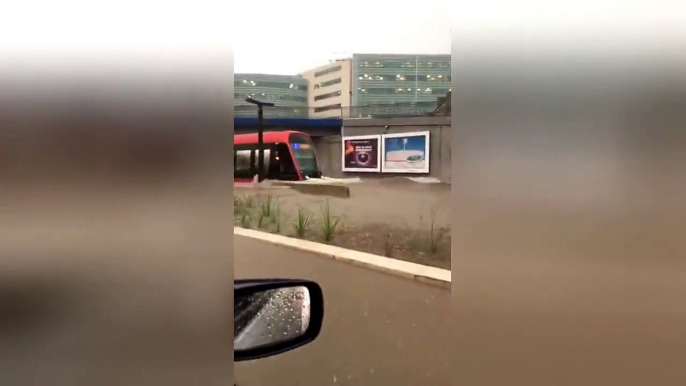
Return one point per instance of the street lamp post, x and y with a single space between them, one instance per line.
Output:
260 135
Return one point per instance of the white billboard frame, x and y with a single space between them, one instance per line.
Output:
378 154
427 152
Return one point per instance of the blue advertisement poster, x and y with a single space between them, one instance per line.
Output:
406 153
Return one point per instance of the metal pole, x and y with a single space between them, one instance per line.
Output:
260 143
260 133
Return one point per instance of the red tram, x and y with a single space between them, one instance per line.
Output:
288 155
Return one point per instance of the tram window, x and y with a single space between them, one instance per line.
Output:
246 165
266 158
303 150
242 161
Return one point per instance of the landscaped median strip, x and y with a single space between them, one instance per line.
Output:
417 272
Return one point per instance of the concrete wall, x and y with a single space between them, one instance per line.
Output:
329 148
329 155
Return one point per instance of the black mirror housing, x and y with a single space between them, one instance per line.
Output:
245 289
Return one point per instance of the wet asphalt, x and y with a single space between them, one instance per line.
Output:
378 329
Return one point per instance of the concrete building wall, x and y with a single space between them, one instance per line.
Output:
329 148
329 153
329 88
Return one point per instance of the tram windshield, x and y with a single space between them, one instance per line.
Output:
304 154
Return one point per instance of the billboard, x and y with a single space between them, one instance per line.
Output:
362 153
406 152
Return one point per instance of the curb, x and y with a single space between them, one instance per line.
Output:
417 272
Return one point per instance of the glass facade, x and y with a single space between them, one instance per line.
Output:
414 81
287 92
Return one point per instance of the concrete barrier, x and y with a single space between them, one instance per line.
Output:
312 188
249 186
331 190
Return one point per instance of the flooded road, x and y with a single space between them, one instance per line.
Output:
378 329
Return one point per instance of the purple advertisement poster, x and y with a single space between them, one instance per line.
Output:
362 154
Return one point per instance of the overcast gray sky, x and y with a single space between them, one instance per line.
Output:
288 37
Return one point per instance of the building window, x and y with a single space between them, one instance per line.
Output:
327 71
404 78
405 63
387 63
327 95
404 91
433 91
371 64
270 84
327 83
327 108
271 97
436 78
423 63
388 91
368 77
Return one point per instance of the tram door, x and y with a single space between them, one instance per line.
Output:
281 165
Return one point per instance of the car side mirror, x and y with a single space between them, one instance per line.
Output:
275 316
